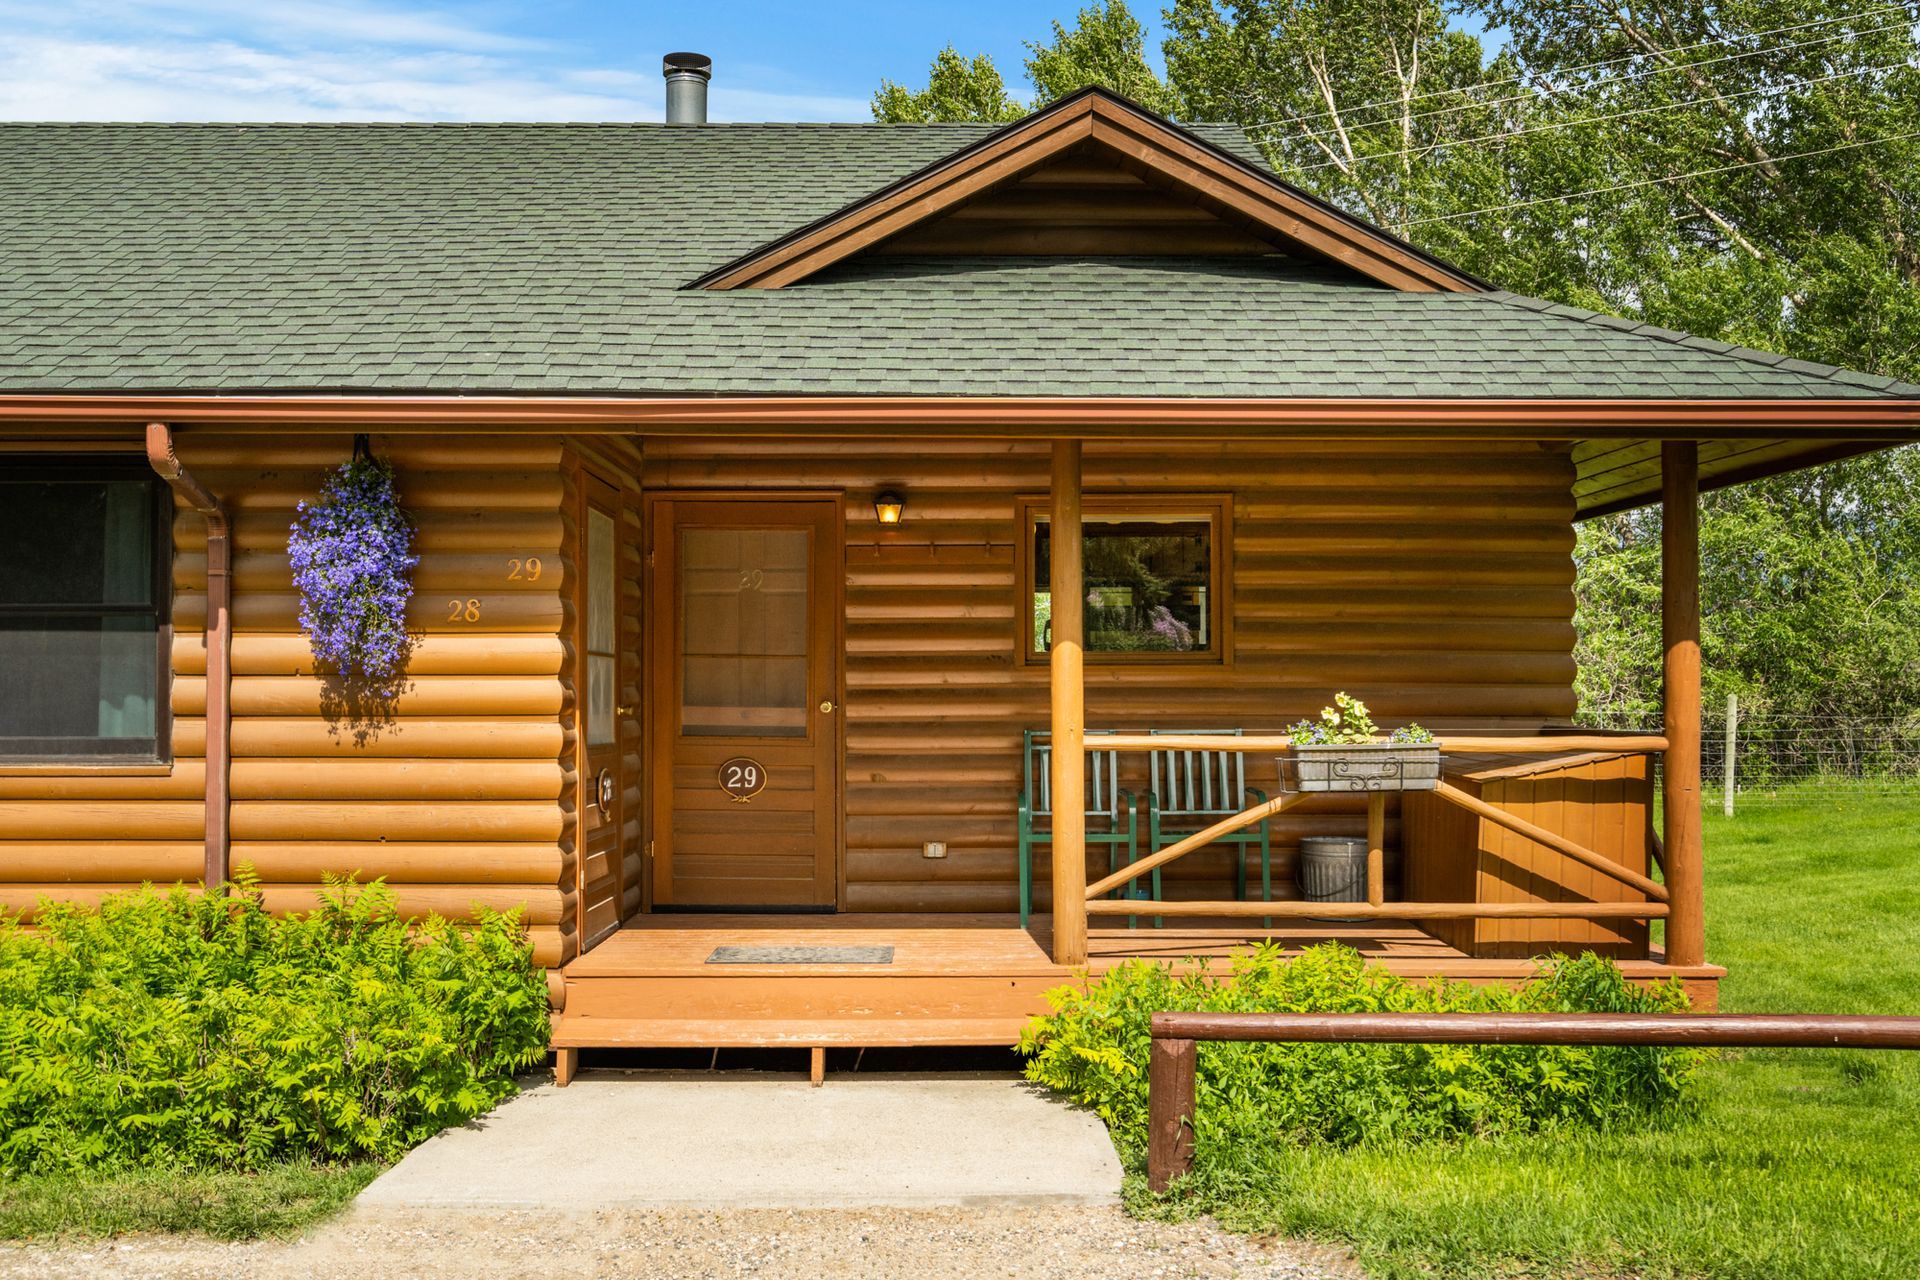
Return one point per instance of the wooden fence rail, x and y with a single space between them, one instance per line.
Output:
1176 1036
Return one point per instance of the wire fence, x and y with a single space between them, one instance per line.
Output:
1774 756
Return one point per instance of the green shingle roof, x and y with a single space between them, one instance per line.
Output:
552 259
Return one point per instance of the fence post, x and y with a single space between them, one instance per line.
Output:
1170 1066
1726 768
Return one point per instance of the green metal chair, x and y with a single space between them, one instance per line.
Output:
1189 791
1106 801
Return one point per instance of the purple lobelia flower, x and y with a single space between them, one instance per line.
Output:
1170 631
352 556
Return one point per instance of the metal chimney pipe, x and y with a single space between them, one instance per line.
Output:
687 75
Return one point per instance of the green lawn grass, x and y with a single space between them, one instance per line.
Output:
278 1200
1799 1164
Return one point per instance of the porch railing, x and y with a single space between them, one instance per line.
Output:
1657 907
1172 1056
1684 903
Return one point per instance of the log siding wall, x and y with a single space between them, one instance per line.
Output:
461 800
1433 579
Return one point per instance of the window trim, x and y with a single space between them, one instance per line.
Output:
1215 508
138 756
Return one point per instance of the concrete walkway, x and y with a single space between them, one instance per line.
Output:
737 1141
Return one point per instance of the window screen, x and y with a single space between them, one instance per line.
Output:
743 632
81 606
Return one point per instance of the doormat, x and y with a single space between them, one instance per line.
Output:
801 955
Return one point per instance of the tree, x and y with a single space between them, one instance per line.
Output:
1358 101
957 89
1105 46
1756 200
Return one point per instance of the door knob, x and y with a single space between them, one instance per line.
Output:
826 706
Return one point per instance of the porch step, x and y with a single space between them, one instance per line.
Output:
571 1032
788 995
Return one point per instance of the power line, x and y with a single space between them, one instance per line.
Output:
1652 182
1585 67
1602 119
1550 91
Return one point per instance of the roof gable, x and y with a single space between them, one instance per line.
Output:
1241 205
1084 203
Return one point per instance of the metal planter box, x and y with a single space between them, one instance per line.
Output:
1365 766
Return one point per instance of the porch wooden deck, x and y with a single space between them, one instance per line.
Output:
954 979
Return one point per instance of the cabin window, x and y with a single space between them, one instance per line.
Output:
1152 569
603 655
83 632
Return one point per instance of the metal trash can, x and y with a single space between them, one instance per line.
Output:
1333 869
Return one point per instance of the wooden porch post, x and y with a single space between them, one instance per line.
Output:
1067 584
1680 634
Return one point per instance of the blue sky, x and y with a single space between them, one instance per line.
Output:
559 60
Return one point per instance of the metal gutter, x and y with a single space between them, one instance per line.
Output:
166 464
1887 419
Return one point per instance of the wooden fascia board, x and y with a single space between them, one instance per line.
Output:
1351 244
1132 133
1871 423
1000 159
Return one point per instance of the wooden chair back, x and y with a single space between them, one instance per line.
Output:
1103 776
1186 783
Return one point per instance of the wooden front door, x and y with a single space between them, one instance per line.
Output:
603 712
745 702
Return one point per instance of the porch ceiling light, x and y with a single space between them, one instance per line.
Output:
888 505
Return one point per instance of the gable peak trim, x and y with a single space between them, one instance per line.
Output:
1135 134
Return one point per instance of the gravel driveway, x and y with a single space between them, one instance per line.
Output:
1020 1243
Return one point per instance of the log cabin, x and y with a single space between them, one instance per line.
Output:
818 525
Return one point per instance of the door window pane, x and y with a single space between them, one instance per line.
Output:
1149 581
79 621
743 632
603 675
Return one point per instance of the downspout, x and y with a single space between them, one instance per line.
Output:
219 643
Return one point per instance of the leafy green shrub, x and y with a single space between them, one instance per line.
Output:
1093 1047
174 1029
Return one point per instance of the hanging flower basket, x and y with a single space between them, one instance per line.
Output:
351 552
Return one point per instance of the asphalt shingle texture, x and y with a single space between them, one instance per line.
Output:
531 259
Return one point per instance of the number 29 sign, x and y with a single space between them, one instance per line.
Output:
742 778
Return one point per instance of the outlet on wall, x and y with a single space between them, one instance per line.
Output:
934 849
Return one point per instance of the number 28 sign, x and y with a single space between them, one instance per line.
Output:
742 778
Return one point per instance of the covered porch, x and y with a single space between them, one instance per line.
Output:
1535 841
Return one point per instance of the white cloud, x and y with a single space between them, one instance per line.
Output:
269 20
223 60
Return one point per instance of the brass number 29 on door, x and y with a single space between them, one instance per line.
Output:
742 778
